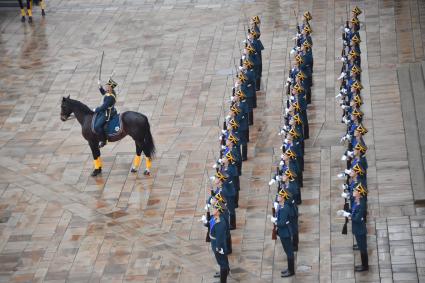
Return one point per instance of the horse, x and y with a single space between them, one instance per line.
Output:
29 6
133 124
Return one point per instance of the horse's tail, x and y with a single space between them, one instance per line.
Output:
149 146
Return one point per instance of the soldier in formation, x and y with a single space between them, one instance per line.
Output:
354 189
294 131
234 139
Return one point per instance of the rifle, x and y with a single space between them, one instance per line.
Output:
346 208
207 237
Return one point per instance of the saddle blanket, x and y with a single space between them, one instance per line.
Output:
112 127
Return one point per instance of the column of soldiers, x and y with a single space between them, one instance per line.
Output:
223 201
295 130
354 190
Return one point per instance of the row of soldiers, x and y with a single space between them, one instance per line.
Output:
223 200
295 130
29 7
354 190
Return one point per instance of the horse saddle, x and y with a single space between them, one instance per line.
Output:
112 128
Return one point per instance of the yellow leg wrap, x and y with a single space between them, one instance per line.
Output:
43 5
96 164
99 160
23 12
148 163
136 161
29 13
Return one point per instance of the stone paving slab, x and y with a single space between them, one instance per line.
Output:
172 60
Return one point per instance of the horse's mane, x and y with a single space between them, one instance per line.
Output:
80 105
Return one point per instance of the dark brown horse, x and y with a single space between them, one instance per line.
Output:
133 124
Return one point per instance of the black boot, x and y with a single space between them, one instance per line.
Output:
103 140
258 84
232 222
295 240
244 152
290 271
43 13
355 247
365 263
29 19
23 19
223 275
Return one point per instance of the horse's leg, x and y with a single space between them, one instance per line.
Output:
97 161
29 10
137 158
43 7
21 5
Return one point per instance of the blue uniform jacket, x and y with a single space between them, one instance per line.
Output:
218 234
358 218
283 222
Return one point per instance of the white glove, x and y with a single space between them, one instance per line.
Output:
286 111
228 117
220 160
273 219
281 156
344 91
204 219
215 165
289 80
285 140
341 76
278 178
286 84
220 251
344 106
292 97
206 207
347 171
232 99
341 175
240 68
272 181
293 51
344 157
346 30
350 153
344 187
338 96
244 41
243 57
344 195
223 147
223 131
342 139
212 178
348 137
346 214
281 163
220 137
99 83
340 212
346 121
344 59
275 205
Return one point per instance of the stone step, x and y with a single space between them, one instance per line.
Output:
411 85
9 3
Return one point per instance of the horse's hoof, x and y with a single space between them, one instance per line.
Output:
96 172
133 170
147 172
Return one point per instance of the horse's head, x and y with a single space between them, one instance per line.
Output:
66 109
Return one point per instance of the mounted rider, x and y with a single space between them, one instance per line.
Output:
106 111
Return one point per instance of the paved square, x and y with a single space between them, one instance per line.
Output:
172 60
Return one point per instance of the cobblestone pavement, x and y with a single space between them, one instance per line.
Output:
172 60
